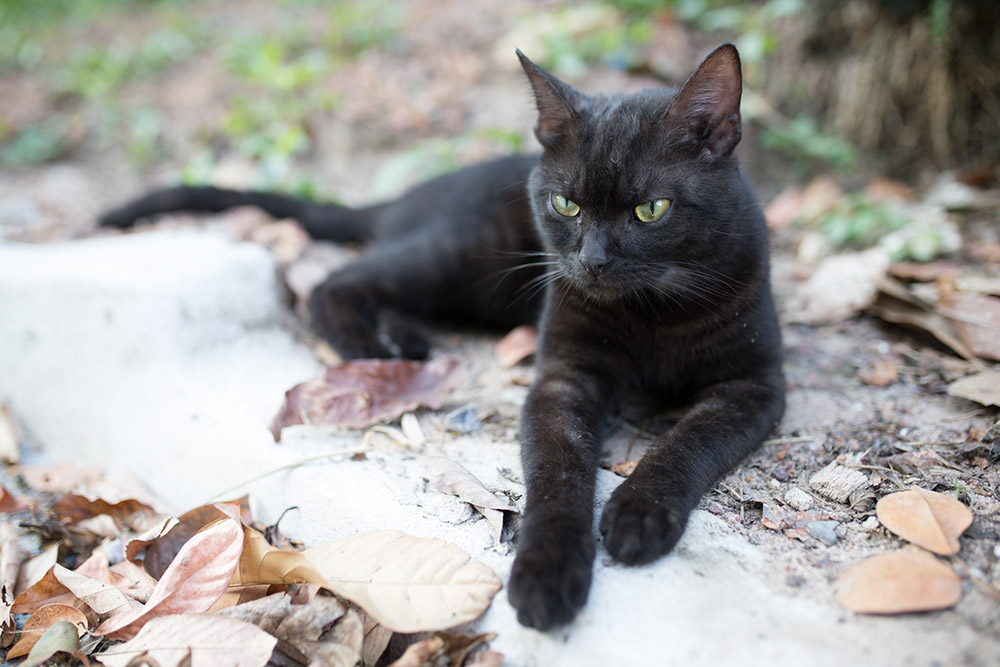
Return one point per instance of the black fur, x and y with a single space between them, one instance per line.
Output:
674 312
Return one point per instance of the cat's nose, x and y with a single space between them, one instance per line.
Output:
593 252
595 263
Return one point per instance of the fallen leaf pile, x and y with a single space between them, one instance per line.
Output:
361 393
123 584
906 580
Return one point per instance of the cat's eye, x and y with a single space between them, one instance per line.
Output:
652 211
564 206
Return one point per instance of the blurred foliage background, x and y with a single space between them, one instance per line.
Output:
179 89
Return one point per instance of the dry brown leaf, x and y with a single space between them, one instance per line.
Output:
784 208
898 582
519 344
132 580
983 387
421 653
376 638
131 513
324 630
40 621
10 452
157 553
408 584
11 503
58 478
976 318
839 288
196 578
364 392
263 564
103 598
880 373
442 649
925 518
46 590
896 304
625 468
924 272
207 640
485 659
451 477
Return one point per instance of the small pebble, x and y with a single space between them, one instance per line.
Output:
798 499
463 420
871 523
824 531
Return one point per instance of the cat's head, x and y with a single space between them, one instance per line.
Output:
641 192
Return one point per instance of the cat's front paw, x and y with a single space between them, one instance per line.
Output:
549 583
639 527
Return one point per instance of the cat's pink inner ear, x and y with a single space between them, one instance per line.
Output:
708 104
553 99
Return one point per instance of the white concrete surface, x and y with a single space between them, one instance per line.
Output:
161 354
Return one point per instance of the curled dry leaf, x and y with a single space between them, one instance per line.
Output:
451 477
364 392
408 584
157 551
519 344
898 582
925 518
196 578
323 630
207 640
261 563
42 620
982 387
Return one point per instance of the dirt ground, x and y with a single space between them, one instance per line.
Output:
445 73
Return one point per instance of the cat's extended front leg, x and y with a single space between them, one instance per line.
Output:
646 515
560 444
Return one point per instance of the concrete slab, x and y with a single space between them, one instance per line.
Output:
162 354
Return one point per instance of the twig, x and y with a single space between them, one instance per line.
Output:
986 586
788 441
291 466
867 467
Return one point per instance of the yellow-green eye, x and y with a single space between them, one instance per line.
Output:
652 211
564 206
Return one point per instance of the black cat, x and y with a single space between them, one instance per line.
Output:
654 263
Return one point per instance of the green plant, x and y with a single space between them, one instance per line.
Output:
34 144
857 222
802 139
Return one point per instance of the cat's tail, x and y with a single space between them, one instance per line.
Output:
330 222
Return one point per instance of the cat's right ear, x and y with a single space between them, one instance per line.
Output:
708 104
557 102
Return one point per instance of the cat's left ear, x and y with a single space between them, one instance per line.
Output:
557 102
708 104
